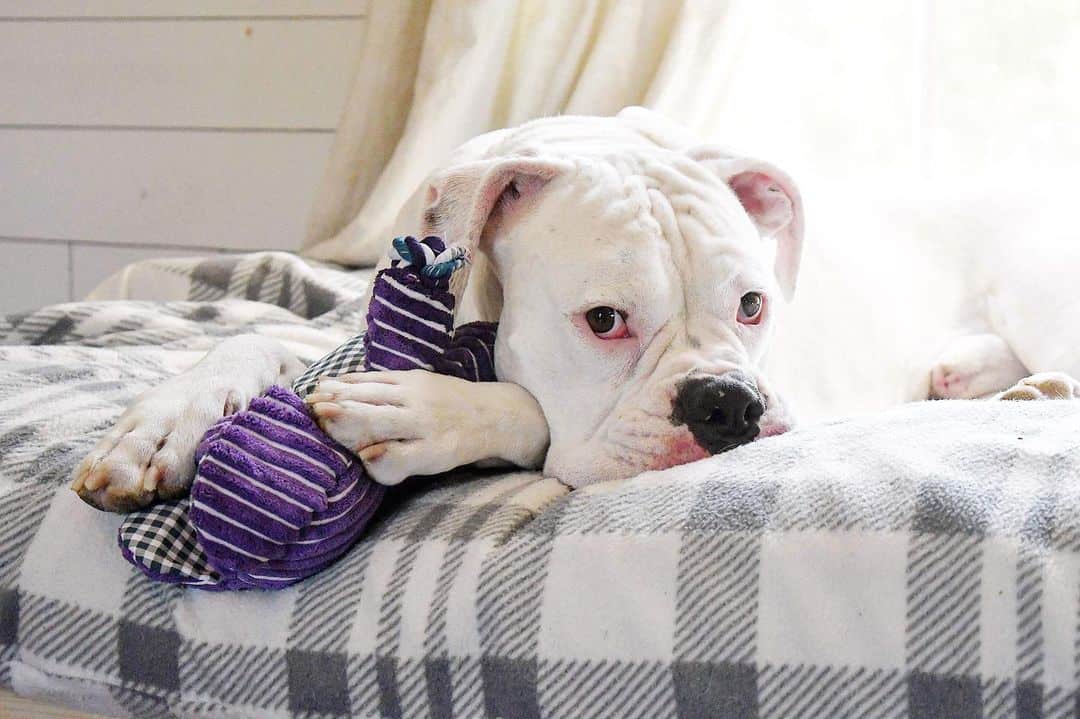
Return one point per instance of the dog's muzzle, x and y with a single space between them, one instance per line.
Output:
721 411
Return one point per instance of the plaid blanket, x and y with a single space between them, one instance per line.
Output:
924 562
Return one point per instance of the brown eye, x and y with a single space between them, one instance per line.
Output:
601 319
750 307
606 323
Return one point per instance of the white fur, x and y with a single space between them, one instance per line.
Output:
973 366
627 212
150 452
899 283
415 423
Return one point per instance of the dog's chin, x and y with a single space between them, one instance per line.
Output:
612 463
616 464
684 449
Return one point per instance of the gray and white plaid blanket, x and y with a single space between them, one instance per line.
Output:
924 562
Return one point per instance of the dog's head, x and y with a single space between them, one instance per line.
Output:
636 281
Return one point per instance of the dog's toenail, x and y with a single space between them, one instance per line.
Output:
372 452
150 479
326 409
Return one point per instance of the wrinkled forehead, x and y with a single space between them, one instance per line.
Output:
644 219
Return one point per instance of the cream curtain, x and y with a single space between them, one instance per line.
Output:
433 73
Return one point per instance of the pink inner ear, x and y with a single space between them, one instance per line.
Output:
432 196
516 192
501 196
520 186
763 199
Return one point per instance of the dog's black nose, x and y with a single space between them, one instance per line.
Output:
721 412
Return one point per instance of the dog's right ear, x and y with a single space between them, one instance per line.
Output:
771 200
465 204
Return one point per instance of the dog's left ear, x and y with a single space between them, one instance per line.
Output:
468 201
772 201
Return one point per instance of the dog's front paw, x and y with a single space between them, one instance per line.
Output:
399 424
150 452
1045 385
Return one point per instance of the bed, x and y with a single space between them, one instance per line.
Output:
921 562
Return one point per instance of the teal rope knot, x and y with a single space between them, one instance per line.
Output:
430 256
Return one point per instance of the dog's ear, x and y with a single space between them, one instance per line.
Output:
771 199
467 202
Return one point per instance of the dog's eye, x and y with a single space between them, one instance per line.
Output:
750 308
606 323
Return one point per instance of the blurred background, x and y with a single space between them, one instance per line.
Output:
131 130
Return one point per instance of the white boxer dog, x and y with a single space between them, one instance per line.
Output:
638 279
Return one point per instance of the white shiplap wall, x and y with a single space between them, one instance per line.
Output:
133 129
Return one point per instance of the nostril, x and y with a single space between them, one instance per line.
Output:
736 414
753 412
734 411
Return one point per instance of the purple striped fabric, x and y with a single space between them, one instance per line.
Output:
471 355
275 499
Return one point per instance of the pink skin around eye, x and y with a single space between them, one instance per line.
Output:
620 331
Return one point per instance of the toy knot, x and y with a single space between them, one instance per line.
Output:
429 256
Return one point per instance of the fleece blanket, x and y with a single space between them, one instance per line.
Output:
923 562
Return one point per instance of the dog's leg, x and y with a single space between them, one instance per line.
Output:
417 423
975 366
1045 385
150 452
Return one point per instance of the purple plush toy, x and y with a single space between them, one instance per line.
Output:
275 499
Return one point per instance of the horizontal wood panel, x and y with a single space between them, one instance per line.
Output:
34 275
173 8
239 73
231 190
